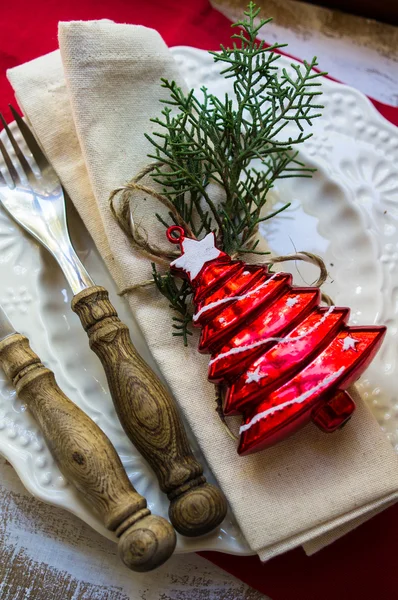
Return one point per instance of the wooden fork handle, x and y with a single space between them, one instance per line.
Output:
88 460
150 418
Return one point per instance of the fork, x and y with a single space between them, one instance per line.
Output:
34 198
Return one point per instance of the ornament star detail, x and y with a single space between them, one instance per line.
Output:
349 343
291 301
254 376
195 254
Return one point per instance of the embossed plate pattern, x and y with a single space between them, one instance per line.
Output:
347 213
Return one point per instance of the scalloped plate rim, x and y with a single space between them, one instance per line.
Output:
78 509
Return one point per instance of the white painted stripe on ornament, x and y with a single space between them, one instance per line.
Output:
299 400
223 300
281 340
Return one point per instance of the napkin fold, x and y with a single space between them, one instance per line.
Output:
90 105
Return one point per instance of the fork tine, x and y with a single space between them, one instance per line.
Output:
11 169
22 160
30 140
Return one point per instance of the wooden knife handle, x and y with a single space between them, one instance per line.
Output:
88 460
150 418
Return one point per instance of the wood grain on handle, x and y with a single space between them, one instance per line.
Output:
88 460
150 418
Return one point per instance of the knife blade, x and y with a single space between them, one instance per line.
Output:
6 328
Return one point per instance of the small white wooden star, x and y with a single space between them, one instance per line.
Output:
195 254
291 301
254 375
349 343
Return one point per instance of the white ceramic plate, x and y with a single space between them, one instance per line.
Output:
347 213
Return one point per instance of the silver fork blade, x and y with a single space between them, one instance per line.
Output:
30 140
12 172
21 158
36 201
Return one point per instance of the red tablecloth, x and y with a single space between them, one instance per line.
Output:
362 565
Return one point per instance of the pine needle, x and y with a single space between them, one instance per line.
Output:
207 140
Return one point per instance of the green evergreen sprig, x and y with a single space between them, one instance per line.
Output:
236 143
178 296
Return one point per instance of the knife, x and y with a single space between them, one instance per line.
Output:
86 456
145 409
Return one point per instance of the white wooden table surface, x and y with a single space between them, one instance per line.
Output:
357 51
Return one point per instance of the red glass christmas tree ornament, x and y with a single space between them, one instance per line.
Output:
282 358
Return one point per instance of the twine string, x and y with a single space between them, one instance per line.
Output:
303 256
136 233
138 238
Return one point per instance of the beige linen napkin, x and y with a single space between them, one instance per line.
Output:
90 112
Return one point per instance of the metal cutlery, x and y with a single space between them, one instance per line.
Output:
33 196
86 456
